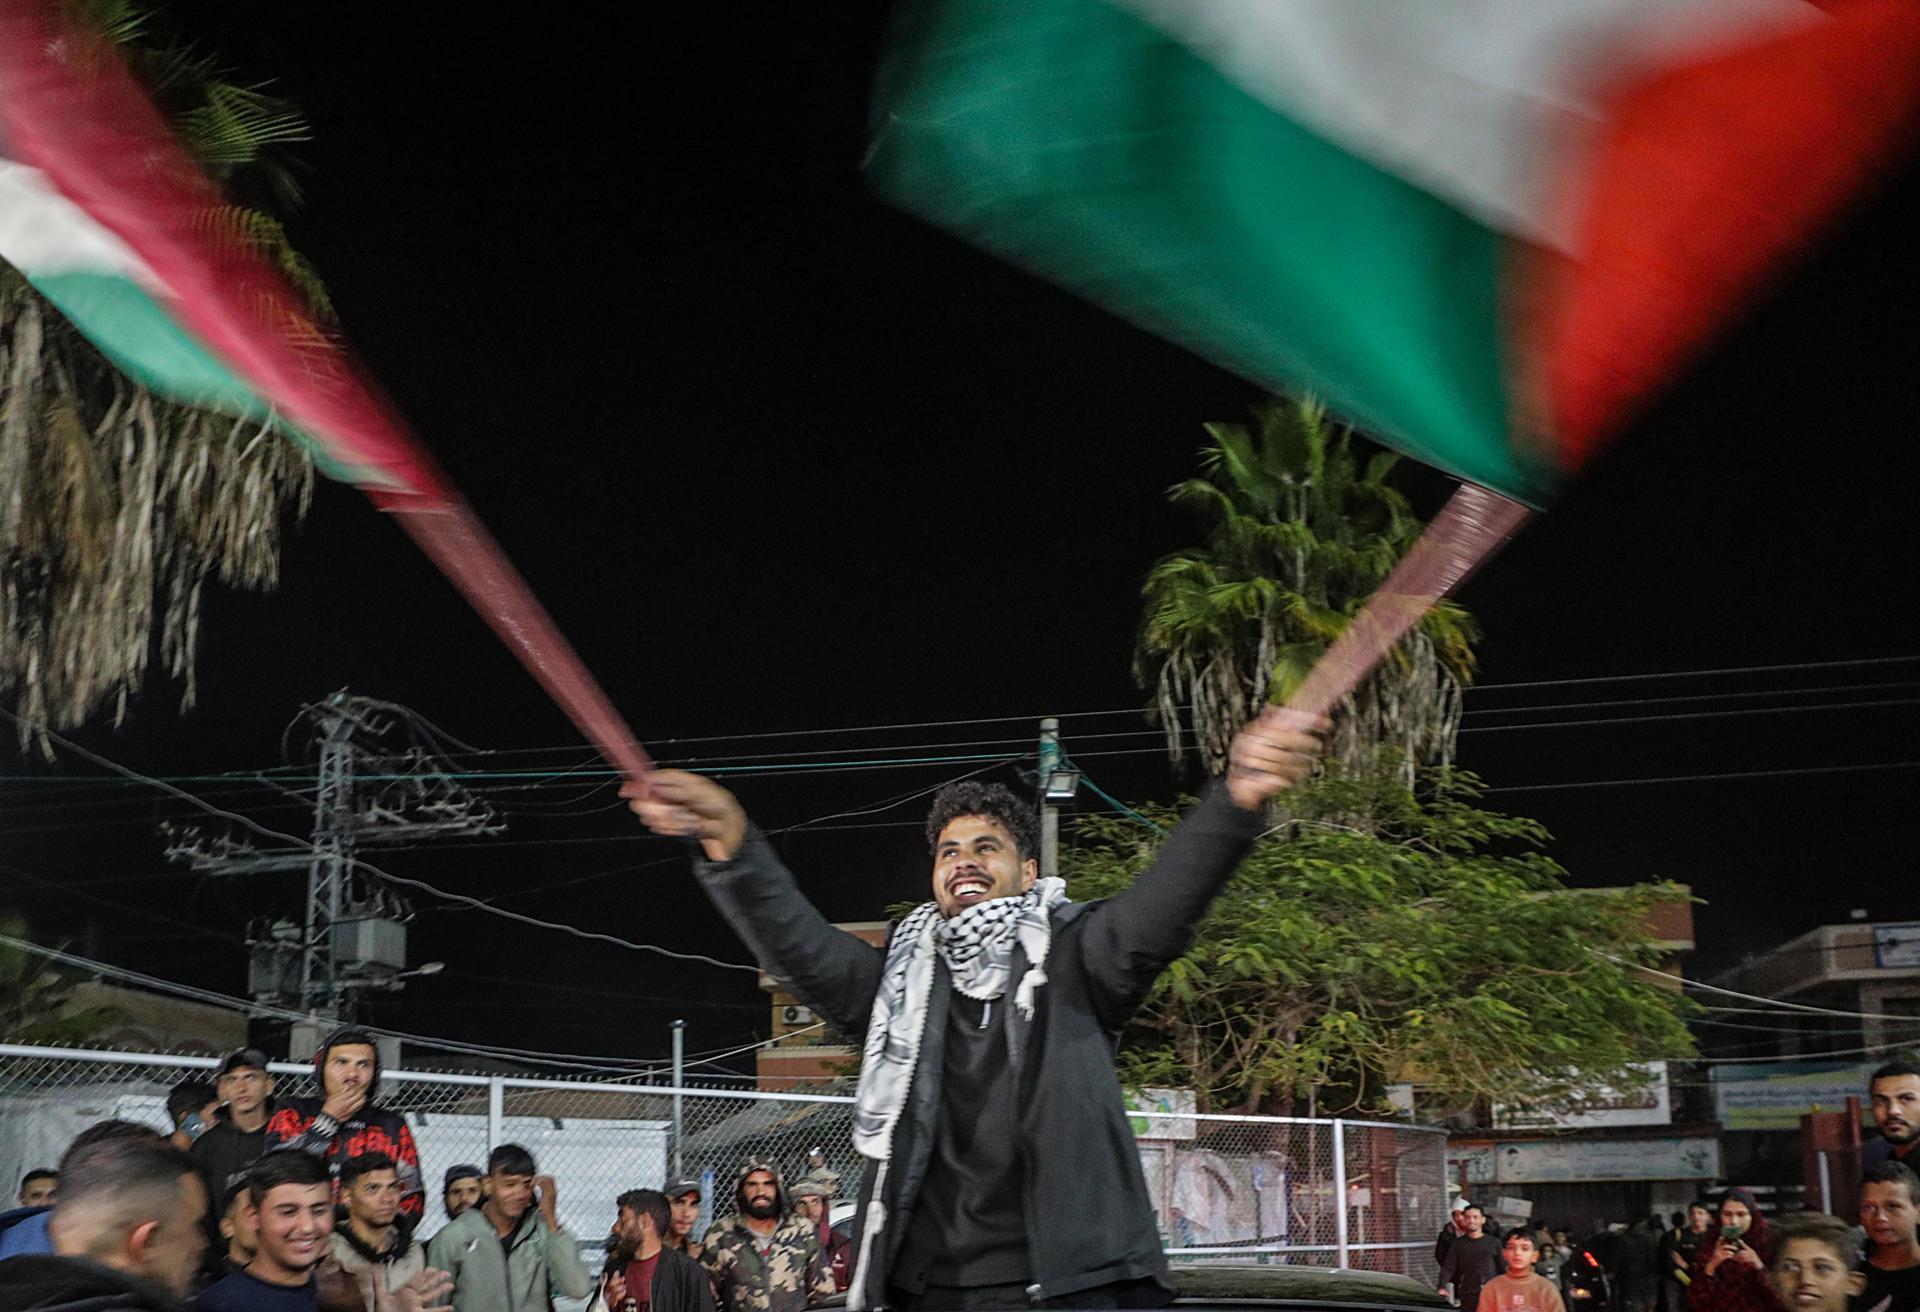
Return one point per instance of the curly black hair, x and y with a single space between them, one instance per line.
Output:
994 801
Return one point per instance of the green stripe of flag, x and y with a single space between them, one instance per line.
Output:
1075 139
138 335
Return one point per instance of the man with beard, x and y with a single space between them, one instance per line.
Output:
509 1254
1888 1194
126 1235
644 1273
762 1258
683 1196
1895 1094
375 1246
345 1121
460 1189
988 1107
238 1134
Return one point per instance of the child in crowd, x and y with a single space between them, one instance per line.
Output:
1518 1288
1813 1264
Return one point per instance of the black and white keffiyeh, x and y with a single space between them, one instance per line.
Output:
977 946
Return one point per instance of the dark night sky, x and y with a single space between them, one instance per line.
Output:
778 457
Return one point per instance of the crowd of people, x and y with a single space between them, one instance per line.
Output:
258 1204
1723 1255
987 1107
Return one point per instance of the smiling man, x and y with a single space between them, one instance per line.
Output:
988 1102
292 1210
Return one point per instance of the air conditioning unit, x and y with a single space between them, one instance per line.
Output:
796 1016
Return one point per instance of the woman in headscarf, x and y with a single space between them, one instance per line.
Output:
1730 1272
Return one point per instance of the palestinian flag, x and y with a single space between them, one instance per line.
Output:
105 215
1486 231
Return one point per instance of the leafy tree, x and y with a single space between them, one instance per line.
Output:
1387 931
1299 534
35 995
116 505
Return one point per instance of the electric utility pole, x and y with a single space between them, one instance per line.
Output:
369 792
1049 810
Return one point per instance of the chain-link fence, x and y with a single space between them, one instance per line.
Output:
1248 1188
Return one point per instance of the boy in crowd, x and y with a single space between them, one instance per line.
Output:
1518 1288
683 1196
375 1244
511 1251
238 1134
1888 1215
1812 1267
290 1199
238 1228
1472 1259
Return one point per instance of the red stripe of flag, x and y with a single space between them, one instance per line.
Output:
69 107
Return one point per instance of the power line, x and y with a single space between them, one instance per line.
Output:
1782 1003
231 1003
1701 673
1691 715
368 866
1703 778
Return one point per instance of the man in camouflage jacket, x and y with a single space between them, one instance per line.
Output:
763 1257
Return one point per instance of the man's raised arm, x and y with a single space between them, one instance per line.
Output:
832 971
1140 930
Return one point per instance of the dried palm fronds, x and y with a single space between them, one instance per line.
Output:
115 507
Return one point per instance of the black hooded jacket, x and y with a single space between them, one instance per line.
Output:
1079 1154
76 1284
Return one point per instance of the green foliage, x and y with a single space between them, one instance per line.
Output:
1389 932
35 993
1302 527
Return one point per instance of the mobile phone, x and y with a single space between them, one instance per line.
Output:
1730 1234
193 1125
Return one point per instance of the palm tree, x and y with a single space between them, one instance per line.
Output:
1299 535
116 505
36 996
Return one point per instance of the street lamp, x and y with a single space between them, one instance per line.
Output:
1062 785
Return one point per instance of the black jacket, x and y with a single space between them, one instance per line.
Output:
1081 1158
680 1284
223 1154
76 1284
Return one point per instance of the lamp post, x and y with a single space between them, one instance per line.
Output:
1059 781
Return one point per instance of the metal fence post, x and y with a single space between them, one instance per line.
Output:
1340 1194
679 1082
496 1112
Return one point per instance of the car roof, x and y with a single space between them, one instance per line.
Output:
1305 1286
